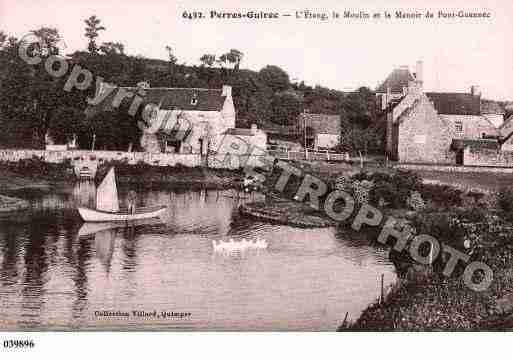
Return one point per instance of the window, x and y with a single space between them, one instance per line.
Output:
459 126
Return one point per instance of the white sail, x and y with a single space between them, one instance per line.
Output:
107 194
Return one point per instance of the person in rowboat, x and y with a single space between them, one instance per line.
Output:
131 199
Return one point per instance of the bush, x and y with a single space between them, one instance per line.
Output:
35 167
505 200
393 190
442 195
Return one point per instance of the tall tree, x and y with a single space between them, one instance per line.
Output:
234 57
170 55
93 28
208 59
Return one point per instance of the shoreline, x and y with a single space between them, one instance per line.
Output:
11 204
285 212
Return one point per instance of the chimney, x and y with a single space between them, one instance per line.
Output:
227 91
475 91
254 129
419 73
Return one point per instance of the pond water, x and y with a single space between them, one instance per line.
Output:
202 258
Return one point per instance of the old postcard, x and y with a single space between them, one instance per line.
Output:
255 166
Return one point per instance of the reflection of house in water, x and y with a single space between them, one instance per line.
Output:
236 248
84 194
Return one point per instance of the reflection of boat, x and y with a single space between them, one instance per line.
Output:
107 205
238 247
104 246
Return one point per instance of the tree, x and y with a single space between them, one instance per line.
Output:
208 59
65 122
286 107
112 48
275 78
170 55
3 39
234 57
222 60
49 37
359 107
93 28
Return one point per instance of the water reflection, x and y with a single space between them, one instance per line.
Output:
239 248
202 257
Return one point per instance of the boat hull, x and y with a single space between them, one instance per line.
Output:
92 215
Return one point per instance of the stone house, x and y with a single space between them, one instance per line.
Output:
322 131
178 120
252 136
431 127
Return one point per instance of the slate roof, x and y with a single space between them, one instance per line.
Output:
489 107
459 144
274 128
239 132
321 123
170 98
397 80
452 103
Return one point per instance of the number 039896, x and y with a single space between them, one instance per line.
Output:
18 344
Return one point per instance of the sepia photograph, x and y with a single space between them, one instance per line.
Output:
228 166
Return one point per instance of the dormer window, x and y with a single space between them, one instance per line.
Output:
194 100
459 126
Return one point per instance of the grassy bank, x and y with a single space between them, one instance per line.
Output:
425 299
178 176
430 301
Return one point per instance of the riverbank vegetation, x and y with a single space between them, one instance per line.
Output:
143 174
425 299
35 169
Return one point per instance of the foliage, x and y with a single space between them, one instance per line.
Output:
170 55
286 107
208 59
442 195
393 190
92 30
416 202
275 78
505 200
37 168
355 139
112 48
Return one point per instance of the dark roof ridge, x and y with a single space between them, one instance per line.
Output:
176 88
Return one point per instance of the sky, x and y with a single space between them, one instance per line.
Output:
342 54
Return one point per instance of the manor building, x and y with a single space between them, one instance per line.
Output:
180 120
441 127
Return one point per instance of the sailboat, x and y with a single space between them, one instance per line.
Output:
107 205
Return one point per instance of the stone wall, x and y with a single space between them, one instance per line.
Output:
156 159
487 157
453 168
91 159
423 135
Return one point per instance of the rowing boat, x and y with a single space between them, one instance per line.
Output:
107 205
